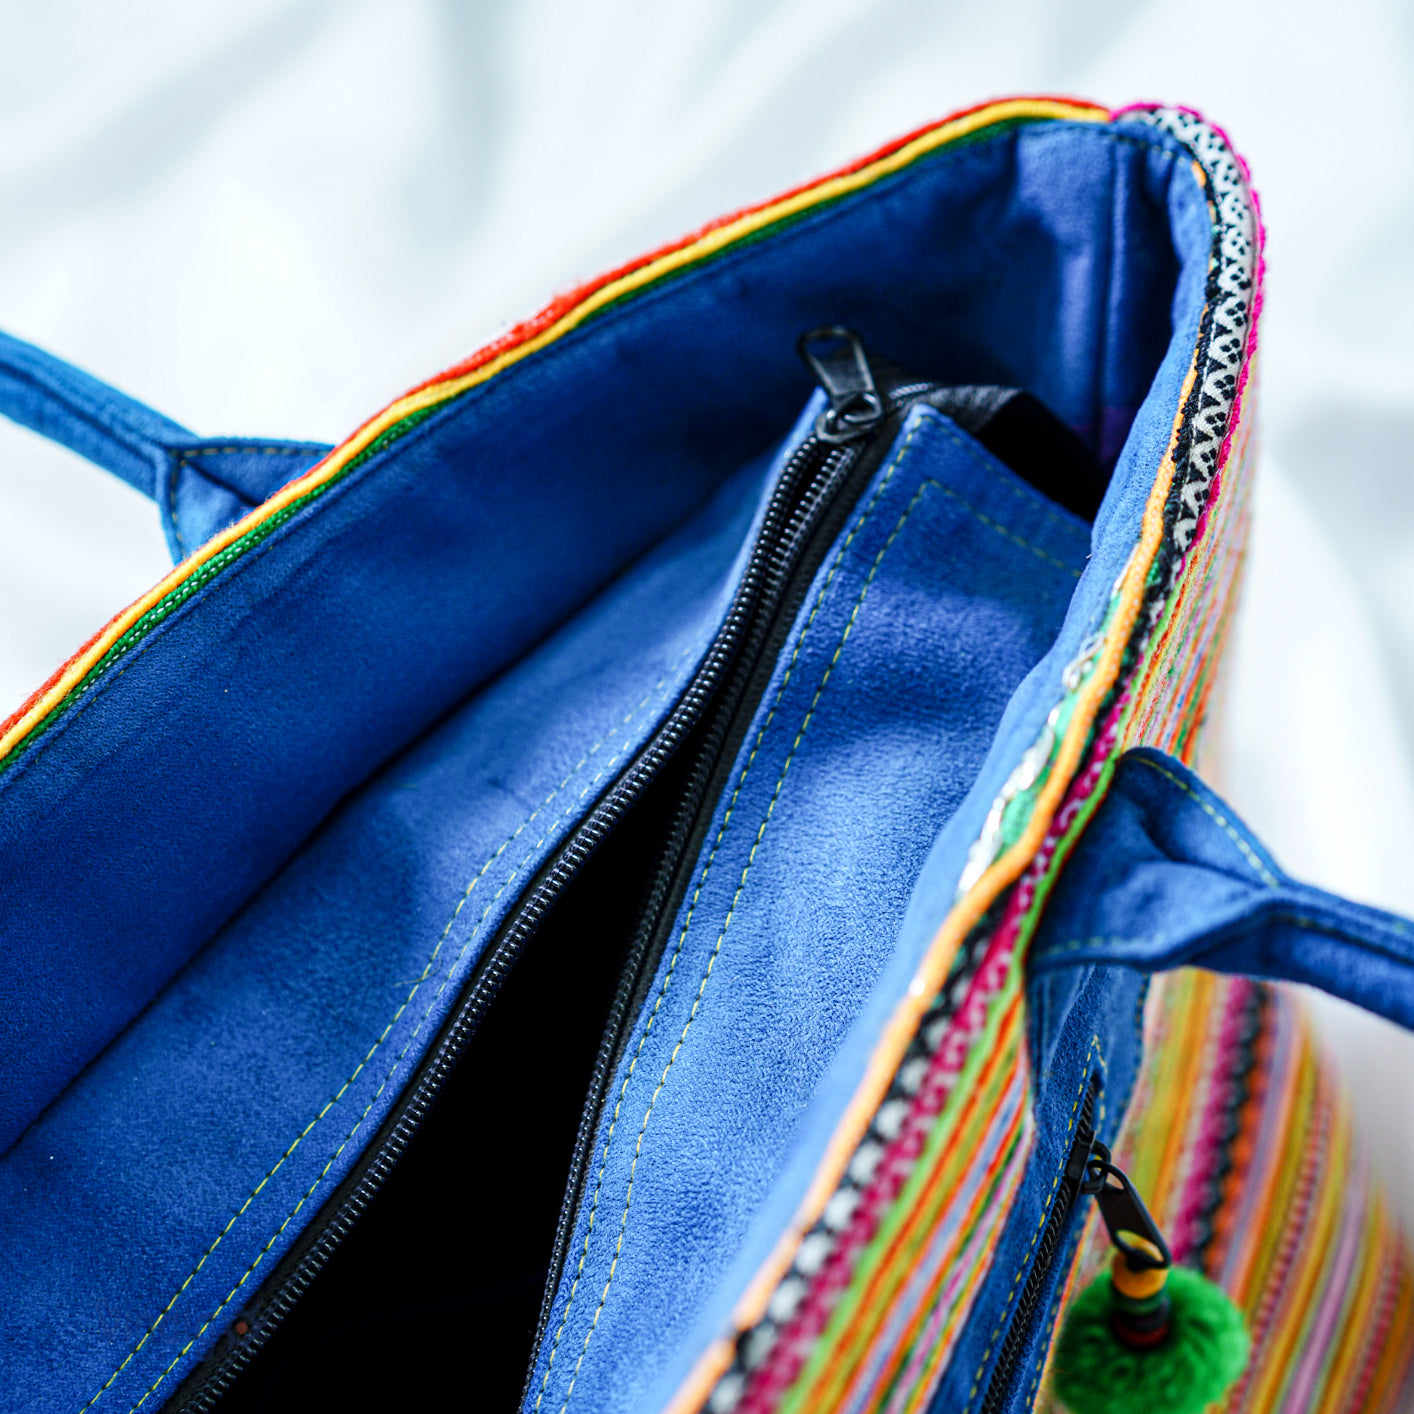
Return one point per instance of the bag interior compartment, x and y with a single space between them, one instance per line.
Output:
948 583
266 1058
201 784
1043 259
492 1155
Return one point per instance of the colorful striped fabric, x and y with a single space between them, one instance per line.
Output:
1242 1144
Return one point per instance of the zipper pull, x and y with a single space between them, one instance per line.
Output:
838 358
1147 1335
1126 1218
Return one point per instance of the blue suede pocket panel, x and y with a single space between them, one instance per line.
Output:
948 584
218 1124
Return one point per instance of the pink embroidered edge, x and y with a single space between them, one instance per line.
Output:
793 1344
1212 1138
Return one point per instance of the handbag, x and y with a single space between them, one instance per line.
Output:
630 882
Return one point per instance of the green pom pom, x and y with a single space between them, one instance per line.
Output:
1204 1351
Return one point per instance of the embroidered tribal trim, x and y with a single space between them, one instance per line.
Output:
1231 311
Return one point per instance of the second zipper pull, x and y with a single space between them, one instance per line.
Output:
1146 1335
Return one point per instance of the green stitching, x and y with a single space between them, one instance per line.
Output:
1221 821
741 884
343 1089
1016 539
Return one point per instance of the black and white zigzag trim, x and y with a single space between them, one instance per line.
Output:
1232 283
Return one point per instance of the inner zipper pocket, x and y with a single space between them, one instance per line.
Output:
811 492
867 402
686 889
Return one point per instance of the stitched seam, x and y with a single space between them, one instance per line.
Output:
1029 497
1221 821
177 465
290 451
188 458
1002 530
1301 920
401 1055
657 689
687 921
24 755
637 304
926 485
1096 1050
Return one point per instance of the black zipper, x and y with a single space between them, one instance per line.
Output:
813 495
1020 1333
851 438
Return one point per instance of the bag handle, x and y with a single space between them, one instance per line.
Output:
199 486
1167 875
107 427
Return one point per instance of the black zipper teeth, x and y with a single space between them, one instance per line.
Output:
801 490
1052 1240
834 489
834 464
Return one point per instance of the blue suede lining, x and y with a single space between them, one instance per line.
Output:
249 1085
230 732
232 890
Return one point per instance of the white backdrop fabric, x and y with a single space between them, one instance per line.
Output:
269 217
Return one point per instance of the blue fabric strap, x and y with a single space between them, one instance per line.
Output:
114 431
199 486
1167 875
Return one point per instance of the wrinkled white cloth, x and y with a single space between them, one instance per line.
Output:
268 217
